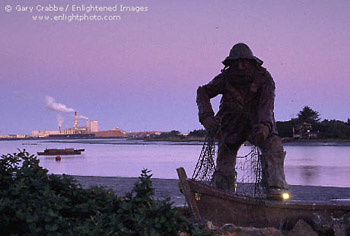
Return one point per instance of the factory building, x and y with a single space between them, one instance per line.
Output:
91 126
43 133
90 130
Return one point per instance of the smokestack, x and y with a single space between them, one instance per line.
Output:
60 122
75 127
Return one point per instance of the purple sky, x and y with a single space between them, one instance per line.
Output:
142 72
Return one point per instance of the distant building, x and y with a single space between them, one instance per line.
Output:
43 133
90 130
304 131
110 134
144 134
12 136
91 126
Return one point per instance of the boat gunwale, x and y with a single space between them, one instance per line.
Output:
60 151
289 204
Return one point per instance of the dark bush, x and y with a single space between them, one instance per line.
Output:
171 134
198 133
35 203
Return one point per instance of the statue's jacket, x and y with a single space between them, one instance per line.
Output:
249 99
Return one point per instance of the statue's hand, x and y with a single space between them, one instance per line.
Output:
260 132
211 124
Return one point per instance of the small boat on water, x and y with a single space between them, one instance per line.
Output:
62 151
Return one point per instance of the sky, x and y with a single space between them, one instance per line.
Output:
141 72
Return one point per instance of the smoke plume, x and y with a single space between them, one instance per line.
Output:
53 105
83 118
60 120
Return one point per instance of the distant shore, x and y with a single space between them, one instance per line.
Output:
183 140
318 142
286 141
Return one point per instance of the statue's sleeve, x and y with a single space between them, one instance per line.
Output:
266 102
205 93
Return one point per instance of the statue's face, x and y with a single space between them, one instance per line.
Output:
242 66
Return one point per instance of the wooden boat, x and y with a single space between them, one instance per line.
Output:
210 204
64 151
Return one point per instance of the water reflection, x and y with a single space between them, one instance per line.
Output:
309 173
305 165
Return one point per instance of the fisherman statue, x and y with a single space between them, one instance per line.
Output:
245 114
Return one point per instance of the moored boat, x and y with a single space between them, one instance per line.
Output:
62 151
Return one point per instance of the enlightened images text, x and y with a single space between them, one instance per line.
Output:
80 8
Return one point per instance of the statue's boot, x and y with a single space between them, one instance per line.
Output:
273 177
224 181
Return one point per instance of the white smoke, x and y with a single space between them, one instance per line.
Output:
60 120
83 118
53 105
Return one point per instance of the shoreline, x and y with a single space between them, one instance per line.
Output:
318 143
169 188
179 141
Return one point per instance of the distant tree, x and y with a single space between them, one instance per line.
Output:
285 128
174 133
327 129
171 134
335 129
308 115
198 133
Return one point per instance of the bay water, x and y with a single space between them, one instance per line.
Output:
319 164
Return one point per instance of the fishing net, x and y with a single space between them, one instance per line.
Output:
249 180
248 169
205 166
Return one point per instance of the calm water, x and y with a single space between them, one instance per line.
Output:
305 165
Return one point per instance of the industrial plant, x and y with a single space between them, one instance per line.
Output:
90 130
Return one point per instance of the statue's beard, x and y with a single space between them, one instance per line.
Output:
241 74
241 78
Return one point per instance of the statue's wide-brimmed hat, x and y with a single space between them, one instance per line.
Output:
241 51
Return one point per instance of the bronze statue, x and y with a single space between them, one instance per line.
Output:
245 113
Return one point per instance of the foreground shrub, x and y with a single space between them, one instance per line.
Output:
35 203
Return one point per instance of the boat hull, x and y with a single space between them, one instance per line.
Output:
66 151
209 203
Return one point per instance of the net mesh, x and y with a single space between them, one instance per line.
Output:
249 173
205 166
248 169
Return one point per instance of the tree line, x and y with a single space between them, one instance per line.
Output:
323 129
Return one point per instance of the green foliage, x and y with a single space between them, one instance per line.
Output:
308 115
334 129
327 129
35 203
